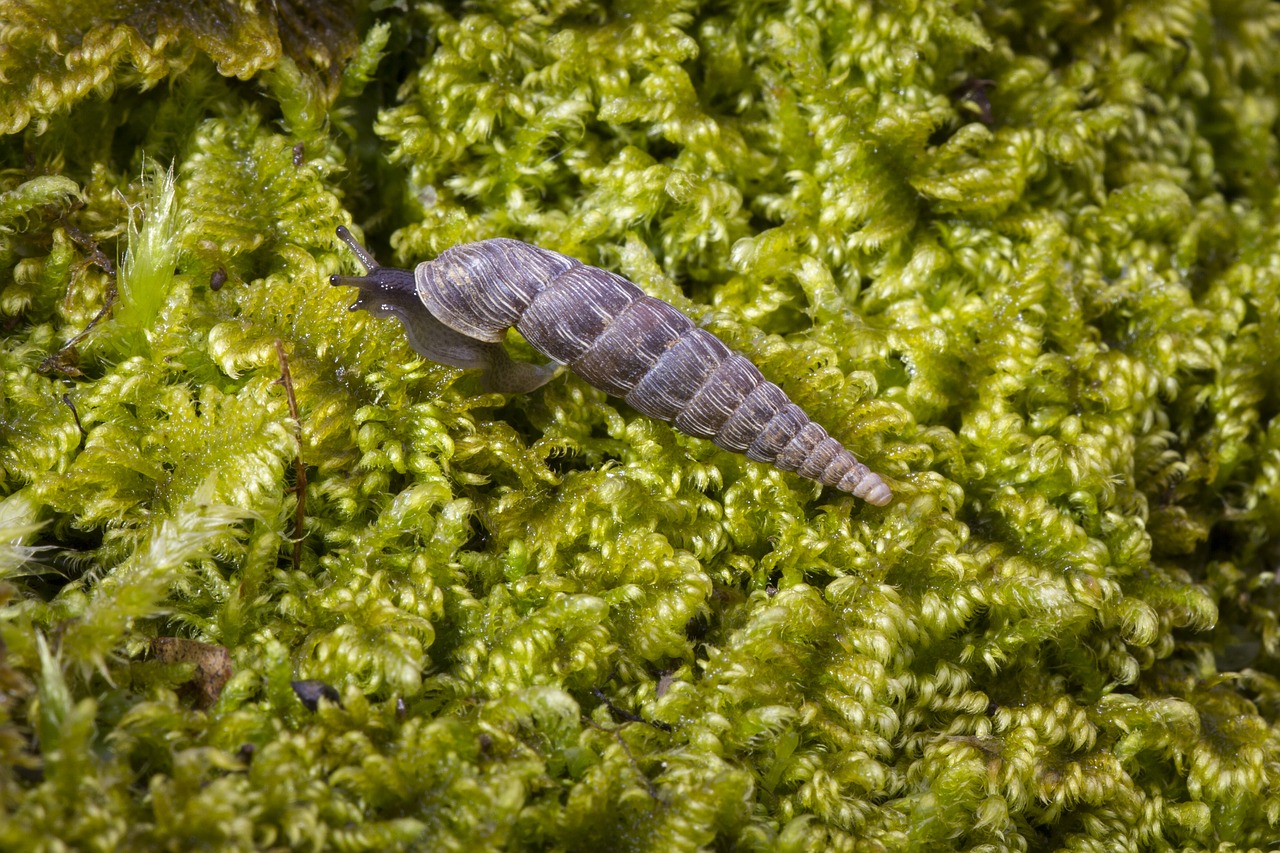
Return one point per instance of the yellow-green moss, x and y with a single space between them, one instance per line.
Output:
1024 259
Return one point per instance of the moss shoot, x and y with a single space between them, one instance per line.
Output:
1022 258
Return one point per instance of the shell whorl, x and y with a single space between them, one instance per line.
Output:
622 341
644 350
482 289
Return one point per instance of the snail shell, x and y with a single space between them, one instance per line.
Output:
456 310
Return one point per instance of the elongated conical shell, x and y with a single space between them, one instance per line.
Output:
627 344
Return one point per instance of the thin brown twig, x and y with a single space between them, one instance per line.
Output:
84 241
625 715
631 759
58 359
299 469
66 398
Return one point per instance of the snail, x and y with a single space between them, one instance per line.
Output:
457 308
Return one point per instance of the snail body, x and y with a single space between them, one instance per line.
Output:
457 309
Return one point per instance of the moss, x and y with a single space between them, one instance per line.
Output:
1021 258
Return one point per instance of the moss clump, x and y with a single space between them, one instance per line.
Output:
1023 259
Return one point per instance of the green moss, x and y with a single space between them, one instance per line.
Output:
1023 259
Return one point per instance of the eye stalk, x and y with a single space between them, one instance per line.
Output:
361 253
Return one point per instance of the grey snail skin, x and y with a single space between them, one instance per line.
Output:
457 308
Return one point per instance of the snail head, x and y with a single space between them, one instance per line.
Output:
380 287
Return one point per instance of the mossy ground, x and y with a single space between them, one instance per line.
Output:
1023 258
